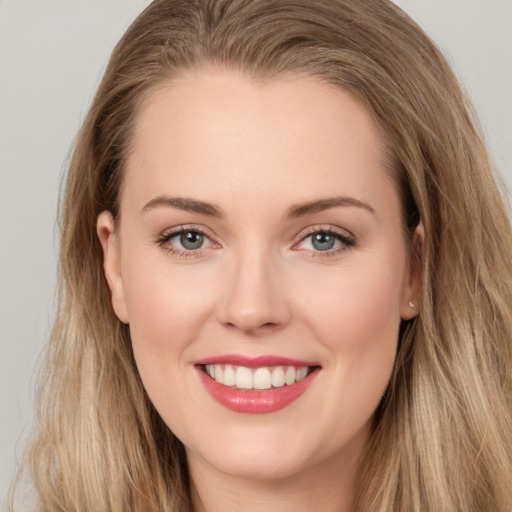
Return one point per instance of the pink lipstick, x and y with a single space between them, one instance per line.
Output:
257 385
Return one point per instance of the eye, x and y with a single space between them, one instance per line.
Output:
325 241
189 240
322 241
185 241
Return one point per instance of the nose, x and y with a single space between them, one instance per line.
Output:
255 299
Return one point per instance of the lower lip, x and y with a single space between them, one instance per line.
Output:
256 401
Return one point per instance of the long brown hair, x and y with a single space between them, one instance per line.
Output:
443 433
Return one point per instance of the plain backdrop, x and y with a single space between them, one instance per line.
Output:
52 54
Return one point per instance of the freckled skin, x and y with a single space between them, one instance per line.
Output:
258 286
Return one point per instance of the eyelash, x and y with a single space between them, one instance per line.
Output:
346 241
163 241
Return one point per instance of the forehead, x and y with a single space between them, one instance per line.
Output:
294 134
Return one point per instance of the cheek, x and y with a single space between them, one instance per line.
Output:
357 317
357 304
166 311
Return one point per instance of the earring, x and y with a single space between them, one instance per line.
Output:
411 304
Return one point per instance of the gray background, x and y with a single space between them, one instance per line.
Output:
52 54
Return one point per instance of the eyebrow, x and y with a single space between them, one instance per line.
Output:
295 211
316 206
184 203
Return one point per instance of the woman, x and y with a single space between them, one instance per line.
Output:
285 274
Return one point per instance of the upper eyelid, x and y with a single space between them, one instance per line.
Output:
325 229
203 230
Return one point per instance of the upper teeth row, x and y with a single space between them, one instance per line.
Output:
259 378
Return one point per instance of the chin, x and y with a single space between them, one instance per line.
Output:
257 454
279 466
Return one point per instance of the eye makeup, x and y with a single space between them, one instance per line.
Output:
191 238
190 241
324 241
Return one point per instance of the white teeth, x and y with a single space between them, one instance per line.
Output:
229 376
301 373
278 377
290 375
219 373
243 378
259 378
262 379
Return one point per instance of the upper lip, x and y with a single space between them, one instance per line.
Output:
255 362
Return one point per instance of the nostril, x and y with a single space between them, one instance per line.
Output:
253 329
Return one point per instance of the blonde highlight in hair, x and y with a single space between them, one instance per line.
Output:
443 433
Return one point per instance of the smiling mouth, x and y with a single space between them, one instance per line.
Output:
256 385
258 379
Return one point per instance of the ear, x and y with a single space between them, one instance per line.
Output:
411 290
105 229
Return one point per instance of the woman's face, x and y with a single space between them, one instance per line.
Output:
260 245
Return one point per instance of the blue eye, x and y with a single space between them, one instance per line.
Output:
325 240
189 240
184 241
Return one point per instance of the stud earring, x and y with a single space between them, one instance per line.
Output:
411 304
